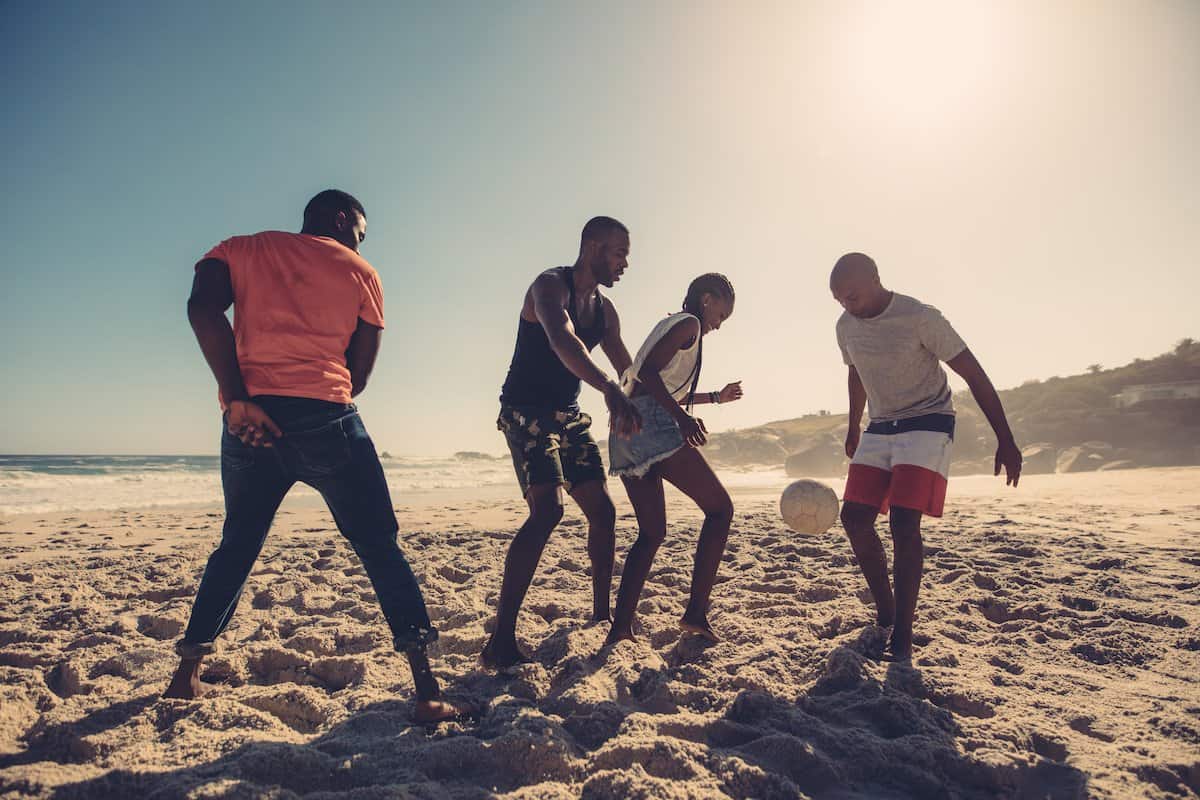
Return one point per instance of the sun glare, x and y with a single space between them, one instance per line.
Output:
924 66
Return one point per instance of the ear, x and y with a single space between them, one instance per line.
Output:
341 221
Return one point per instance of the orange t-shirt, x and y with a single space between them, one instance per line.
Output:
296 302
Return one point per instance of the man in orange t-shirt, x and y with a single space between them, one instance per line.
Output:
308 315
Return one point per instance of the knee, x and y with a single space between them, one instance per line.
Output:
603 518
545 518
652 537
906 529
379 540
721 511
857 519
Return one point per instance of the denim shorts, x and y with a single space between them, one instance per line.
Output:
659 439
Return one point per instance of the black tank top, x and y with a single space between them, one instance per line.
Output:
537 377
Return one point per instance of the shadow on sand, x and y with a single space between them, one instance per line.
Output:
607 727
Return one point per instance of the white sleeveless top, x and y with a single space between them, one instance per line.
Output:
679 372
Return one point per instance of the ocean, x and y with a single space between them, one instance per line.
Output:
46 484
41 484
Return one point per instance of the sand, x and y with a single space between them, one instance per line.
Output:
1058 653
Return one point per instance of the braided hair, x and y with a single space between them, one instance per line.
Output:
713 283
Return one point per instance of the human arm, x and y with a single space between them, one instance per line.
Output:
211 296
858 402
614 347
731 392
1008 454
677 338
361 355
549 295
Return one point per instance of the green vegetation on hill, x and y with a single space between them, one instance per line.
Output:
1068 423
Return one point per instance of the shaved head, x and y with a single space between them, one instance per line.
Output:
853 267
855 284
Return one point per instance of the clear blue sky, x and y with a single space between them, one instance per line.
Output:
1030 169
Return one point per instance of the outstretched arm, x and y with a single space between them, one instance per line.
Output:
858 402
212 295
361 354
731 392
1008 454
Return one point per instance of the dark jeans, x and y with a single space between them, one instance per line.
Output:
326 446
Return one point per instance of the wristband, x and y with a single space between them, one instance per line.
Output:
714 397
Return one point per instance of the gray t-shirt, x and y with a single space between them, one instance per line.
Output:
897 355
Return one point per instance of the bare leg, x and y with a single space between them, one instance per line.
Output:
908 563
859 521
545 511
690 473
646 495
597 506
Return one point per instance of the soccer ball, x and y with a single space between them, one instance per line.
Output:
809 507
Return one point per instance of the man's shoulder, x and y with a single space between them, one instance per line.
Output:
553 280
907 304
269 236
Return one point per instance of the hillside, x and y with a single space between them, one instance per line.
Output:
1064 424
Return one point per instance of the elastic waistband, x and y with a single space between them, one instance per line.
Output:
934 423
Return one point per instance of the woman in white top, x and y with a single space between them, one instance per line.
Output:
662 385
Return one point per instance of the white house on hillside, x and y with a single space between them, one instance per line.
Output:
1146 392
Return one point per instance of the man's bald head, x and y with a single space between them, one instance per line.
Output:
855 284
853 267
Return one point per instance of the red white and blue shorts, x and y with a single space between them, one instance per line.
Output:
905 463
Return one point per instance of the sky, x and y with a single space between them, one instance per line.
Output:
1029 168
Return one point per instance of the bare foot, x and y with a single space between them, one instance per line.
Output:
615 636
431 711
498 655
185 683
699 626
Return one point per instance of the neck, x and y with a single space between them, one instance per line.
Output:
882 302
585 279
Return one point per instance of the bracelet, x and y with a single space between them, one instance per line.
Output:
714 397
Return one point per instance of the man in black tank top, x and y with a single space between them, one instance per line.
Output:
563 318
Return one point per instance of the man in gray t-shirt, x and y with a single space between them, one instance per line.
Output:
893 346
898 356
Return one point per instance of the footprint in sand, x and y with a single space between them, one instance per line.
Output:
160 627
453 574
274 665
301 708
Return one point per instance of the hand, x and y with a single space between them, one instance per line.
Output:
1009 455
853 435
693 430
251 424
731 392
623 419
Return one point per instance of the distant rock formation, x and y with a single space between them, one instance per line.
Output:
474 455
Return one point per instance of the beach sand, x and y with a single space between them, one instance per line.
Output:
1058 656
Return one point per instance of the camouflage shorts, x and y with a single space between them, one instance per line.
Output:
551 447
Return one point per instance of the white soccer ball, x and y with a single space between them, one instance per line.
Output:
809 507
